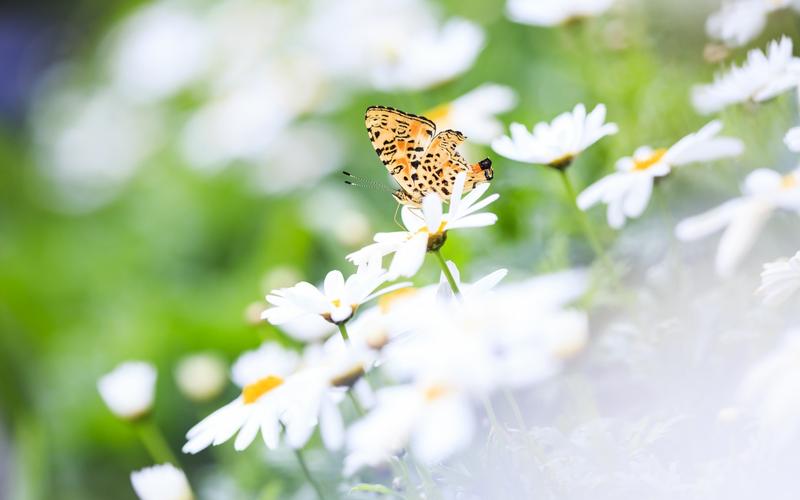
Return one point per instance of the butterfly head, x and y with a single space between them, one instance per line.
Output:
482 171
404 198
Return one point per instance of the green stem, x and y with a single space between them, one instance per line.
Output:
356 403
154 441
584 221
302 461
343 331
446 271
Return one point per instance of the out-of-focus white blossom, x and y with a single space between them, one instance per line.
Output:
627 191
771 389
201 377
474 113
556 143
739 21
392 44
90 143
743 217
427 228
158 51
161 482
792 139
550 13
780 280
761 77
129 389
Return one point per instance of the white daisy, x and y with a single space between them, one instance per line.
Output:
426 229
738 22
336 302
296 397
474 113
258 408
792 139
434 421
161 482
761 77
269 359
764 191
780 280
627 191
201 377
556 143
770 389
450 354
549 13
128 390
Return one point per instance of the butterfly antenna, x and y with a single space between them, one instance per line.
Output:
354 180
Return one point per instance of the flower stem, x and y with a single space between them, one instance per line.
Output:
154 441
446 271
356 403
587 227
343 331
302 461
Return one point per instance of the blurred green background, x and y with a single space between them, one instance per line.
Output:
169 265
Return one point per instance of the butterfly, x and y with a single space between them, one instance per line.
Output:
419 159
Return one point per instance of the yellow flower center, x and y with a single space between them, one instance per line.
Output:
440 113
562 161
650 160
336 302
789 181
252 392
435 392
385 302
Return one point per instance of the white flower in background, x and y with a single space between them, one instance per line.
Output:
391 44
759 78
550 13
269 359
474 113
450 354
338 300
627 191
780 280
128 390
427 228
792 139
158 51
201 377
738 22
556 143
479 287
289 163
771 389
434 421
742 218
161 482
431 57
90 144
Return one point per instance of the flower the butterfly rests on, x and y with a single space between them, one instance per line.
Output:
419 159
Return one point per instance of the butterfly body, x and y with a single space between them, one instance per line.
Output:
419 159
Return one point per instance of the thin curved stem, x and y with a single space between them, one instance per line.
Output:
587 227
302 461
343 331
447 273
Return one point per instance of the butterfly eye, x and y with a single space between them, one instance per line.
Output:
485 163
